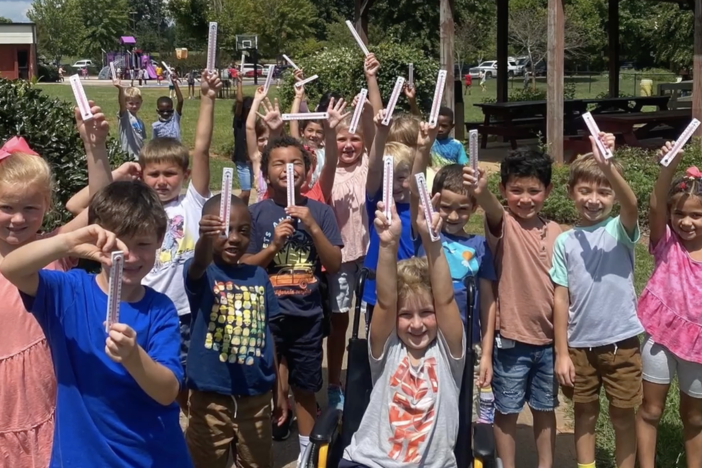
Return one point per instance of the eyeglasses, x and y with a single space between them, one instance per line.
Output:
167 111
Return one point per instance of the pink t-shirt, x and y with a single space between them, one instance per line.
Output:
669 307
348 201
28 389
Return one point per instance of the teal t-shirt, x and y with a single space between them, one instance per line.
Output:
448 151
596 264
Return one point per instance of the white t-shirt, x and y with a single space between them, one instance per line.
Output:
178 246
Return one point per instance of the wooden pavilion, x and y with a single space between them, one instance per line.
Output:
555 62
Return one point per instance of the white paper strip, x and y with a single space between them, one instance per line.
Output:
306 116
393 100
357 37
360 103
212 46
680 142
290 181
388 180
225 202
306 80
438 98
595 132
269 78
428 208
114 289
292 64
81 99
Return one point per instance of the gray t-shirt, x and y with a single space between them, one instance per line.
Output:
132 134
169 128
596 264
412 417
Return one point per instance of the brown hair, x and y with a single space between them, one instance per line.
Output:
451 178
684 186
128 208
161 150
28 170
260 127
586 169
404 129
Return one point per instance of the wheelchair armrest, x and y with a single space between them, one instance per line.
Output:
483 440
325 426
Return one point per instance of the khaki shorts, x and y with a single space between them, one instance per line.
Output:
616 367
217 420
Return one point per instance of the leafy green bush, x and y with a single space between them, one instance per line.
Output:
47 73
640 171
49 127
341 69
529 94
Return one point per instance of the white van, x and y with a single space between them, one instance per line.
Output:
83 63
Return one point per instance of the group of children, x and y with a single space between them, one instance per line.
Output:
221 318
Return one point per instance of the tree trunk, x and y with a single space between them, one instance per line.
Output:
446 33
360 17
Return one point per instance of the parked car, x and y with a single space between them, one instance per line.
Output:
490 69
539 69
83 63
249 70
465 70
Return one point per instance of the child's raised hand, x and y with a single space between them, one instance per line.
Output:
210 84
303 214
299 75
211 226
272 117
371 65
283 230
127 171
94 243
665 149
378 120
260 94
410 91
121 344
485 371
436 221
366 105
426 136
299 92
608 140
474 181
117 82
95 130
335 112
387 233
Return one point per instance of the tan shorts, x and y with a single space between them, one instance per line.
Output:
616 367
217 420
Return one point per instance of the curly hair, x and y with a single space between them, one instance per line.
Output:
284 141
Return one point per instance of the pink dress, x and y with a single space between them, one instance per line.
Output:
28 388
348 200
669 307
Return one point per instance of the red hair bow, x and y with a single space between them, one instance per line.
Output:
15 145
693 173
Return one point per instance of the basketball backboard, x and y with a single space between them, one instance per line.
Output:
246 42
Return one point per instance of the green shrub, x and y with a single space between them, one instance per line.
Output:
341 69
49 127
47 73
529 94
640 171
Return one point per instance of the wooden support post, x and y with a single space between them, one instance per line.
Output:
554 92
502 51
613 50
446 33
697 66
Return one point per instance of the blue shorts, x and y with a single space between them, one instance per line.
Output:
184 322
522 374
244 171
299 341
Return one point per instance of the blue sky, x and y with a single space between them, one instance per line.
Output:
14 9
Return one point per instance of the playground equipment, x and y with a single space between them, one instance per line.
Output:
130 58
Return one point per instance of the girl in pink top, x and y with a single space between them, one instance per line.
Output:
669 309
28 385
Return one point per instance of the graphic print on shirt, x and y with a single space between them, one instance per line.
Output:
293 267
237 325
176 243
461 259
412 408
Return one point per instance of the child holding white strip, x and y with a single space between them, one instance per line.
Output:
28 398
669 310
117 390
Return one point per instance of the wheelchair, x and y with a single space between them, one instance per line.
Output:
334 429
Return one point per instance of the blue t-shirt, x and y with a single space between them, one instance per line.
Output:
404 251
296 270
103 417
467 256
450 150
230 343
169 128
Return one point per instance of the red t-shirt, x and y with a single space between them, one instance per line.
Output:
469 80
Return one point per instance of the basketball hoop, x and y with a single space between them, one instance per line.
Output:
246 42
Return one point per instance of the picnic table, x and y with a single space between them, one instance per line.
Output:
636 126
624 104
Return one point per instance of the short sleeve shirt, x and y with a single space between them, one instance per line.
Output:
450 150
132 134
231 352
524 288
296 270
169 128
596 264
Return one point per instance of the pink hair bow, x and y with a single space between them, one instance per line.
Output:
15 145
693 172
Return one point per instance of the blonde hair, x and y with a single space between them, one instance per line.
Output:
586 169
165 149
413 277
26 170
405 128
133 93
346 123
401 154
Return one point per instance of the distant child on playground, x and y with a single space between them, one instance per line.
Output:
168 123
447 150
191 84
132 131
669 309
595 324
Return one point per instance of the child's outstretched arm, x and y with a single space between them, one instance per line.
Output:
385 311
629 206
370 68
658 206
272 118
295 108
210 228
80 201
251 137
448 317
488 316
366 123
210 86
411 95
565 371
179 96
326 177
477 185
425 140
264 256
374 180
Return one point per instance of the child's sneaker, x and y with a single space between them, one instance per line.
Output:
335 397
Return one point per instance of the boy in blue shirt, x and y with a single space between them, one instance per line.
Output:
447 150
168 123
231 359
116 391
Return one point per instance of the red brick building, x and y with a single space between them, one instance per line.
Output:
18 50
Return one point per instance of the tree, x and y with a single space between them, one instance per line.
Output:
190 17
474 40
57 22
103 22
150 24
4 20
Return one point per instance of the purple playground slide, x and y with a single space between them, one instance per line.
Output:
151 71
